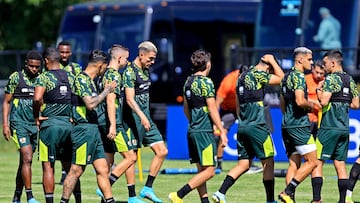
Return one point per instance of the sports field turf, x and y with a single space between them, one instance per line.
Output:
248 188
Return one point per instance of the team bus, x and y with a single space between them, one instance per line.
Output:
235 32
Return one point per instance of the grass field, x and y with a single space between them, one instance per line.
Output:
248 188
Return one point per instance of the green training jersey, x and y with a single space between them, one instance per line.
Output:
335 115
138 78
57 96
84 86
73 69
252 113
21 108
196 90
109 76
294 115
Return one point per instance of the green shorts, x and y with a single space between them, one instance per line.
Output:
143 137
55 140
254 141
202 148
24 134
124 141
332 144
298 140
86 144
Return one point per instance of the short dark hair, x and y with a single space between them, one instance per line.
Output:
64 43
335 55
199 59
319 64
33 54
98 55
52 54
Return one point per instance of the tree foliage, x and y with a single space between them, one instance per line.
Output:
24 22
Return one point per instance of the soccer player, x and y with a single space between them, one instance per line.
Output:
137 86
18 120
253 136
116 135
53 98
72 69
336 95
313 80
299 142
201 111
226 103
87 146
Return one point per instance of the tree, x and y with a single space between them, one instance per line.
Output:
24 22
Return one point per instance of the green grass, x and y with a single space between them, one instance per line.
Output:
248 188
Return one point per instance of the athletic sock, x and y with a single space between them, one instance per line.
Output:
290 188
316 183
110 200
77 196
63 200
204 200
29 193
354 176
131 190
49 198
228 182
184 191
269 188
342 185
17 195
219 161
149 181
113 178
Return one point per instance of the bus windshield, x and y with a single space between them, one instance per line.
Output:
102 29
124 28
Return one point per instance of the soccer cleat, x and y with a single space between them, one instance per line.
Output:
316 201
16 202
148 193
135 200
285 198
174 198
254 169
32 200
271 202
218 197
99 193
348 200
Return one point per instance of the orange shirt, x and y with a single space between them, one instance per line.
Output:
311 90
227 91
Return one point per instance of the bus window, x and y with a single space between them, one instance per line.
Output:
79 28
346 12
124 28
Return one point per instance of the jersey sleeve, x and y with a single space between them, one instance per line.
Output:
208 89
12 83
299 81
129 77
353 88
82 86
41 80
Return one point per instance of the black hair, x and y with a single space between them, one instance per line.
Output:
98 55
199 59
52 54
320 64
242 67
33 54
335 55
64 43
